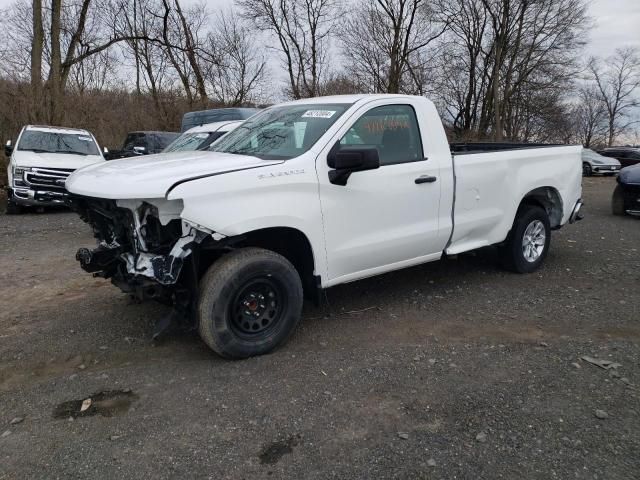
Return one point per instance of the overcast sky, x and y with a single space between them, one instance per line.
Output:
616 24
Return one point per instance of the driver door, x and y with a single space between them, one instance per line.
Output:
386 218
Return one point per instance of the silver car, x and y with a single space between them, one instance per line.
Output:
593 162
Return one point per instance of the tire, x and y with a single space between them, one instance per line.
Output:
617 201
519 258
587 171
232 320
13 208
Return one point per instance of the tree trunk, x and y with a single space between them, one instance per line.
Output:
191 56
36 59
55 75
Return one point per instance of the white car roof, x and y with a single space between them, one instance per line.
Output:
47 128
347 99
216 126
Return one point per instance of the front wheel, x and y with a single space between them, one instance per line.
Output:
587 171
250 303
528 242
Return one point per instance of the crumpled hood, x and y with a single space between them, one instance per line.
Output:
630 175
25 158
152 176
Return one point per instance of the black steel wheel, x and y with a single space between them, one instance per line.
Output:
250 303
257 307
587 171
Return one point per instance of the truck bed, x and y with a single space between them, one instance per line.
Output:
491 179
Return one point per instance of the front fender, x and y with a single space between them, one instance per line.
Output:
283 195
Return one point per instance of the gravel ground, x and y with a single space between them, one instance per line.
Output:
450 370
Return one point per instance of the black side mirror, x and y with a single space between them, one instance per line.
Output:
347 160
8 148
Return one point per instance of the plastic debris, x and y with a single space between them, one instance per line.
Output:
85 405
604 364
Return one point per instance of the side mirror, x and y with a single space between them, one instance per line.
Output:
140 150
105 150
347 160
8 148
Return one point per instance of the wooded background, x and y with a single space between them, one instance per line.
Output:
497 69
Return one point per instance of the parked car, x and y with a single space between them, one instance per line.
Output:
626 196
202 117
593 162
311 194
143 143
40 162
627 156
199 138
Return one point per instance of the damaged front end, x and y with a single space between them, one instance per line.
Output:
144 247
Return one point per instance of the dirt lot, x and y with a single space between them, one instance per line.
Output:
449 370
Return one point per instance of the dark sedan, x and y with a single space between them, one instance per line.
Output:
626 196
627 156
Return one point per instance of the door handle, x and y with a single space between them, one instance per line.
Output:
425 179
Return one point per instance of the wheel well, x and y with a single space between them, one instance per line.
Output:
548 198
293 245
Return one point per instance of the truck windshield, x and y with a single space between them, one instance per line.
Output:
56 142
281 133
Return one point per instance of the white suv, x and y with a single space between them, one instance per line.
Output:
42 160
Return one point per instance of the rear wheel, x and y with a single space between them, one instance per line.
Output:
250 303
617 201
528 242
587 171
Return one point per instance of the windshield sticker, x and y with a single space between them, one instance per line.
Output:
318 114
86 139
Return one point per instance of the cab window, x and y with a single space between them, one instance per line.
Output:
392 129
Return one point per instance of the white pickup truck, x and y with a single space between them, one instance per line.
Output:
41 161
311 194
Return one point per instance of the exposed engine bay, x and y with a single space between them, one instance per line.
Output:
144 247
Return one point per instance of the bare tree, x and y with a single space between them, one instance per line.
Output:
618 83
190 30
499 54
37 43
463 63
384 42
143 26
590 116
94 74
533 44
235 67
302 29
181 39
54 82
